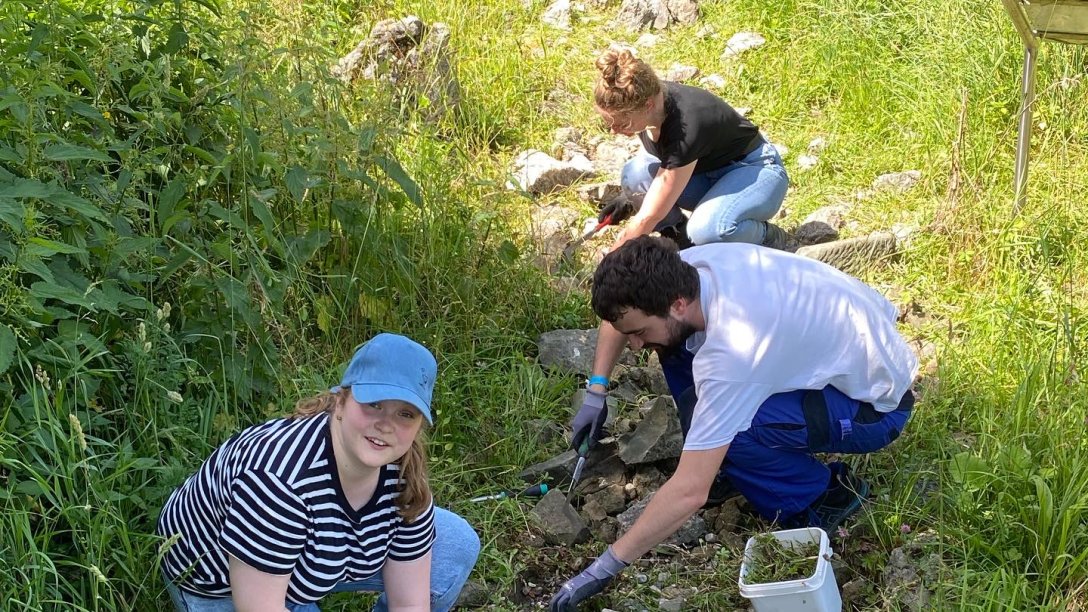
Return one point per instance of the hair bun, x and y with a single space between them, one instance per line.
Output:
625 80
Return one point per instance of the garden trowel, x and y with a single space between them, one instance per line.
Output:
580 240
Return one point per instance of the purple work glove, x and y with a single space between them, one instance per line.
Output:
591 581
588 423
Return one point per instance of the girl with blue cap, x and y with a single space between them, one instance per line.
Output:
333 498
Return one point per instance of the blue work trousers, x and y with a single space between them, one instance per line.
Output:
772 463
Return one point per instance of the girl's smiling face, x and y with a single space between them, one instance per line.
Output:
376 433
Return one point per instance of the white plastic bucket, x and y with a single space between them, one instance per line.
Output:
816 593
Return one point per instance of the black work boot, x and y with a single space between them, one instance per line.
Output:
778 238
721 491
844 496
679 234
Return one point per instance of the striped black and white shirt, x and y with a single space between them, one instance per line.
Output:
271 497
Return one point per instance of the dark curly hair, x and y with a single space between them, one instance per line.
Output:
644 273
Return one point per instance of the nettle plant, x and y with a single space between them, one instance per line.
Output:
166 204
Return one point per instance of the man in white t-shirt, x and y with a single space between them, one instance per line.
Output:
771 357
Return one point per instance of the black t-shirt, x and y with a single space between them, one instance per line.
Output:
699 126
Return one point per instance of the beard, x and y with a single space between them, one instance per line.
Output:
678 332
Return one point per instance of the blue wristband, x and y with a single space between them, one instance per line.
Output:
598 380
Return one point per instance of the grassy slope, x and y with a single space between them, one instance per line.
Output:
1000 435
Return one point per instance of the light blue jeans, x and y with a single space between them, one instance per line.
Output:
453 555
730 204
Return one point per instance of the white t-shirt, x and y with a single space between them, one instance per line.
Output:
777 322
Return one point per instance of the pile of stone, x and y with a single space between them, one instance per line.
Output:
623 472
411 56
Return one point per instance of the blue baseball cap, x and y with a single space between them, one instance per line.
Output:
392 367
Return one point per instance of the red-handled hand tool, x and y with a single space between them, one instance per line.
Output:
567 252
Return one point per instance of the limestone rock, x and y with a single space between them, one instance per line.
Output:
806 162
647 480
685 12
822 225
896 182
610 154
599 193
853 592
724 518
741 42
649 379
680 73
568 134
712 81
854 255
544 431
671 605
604 466
557 15
657 437
569 350
688 533
559 522
412 56
904 582
550 229
609 500
538 173
557 469
656 14
474 594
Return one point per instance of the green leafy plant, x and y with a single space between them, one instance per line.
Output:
774 560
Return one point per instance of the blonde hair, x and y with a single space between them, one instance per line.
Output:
625 82
415 492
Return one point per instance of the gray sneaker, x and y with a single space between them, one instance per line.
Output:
854 254
778 238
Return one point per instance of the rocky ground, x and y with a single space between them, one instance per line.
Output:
697 568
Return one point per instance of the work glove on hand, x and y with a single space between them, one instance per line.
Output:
620 207
591 581
589 420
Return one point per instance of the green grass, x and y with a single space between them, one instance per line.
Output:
226 174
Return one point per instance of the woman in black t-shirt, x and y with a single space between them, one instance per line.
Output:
699 154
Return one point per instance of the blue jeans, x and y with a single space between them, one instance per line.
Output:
453 555
730 204
772 463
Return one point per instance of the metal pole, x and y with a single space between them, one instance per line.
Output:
1027 94
1023 140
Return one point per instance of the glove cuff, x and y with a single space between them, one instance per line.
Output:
608 563
594 398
